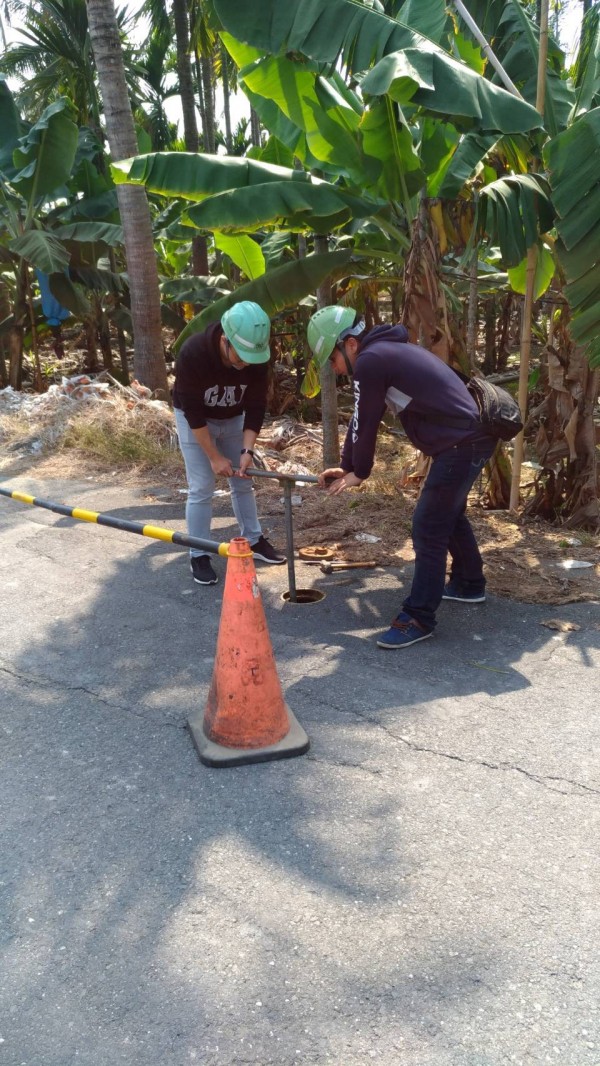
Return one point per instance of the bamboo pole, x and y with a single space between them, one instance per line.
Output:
495 62
526 321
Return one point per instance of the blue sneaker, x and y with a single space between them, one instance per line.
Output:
454 592
403 632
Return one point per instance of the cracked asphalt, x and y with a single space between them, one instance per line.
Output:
421 889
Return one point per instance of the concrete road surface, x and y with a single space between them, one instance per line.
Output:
421 889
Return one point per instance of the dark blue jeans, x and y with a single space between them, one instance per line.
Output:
440 526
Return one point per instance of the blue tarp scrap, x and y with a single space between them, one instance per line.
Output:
54 312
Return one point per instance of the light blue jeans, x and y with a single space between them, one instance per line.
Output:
227 434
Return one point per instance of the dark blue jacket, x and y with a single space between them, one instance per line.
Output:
412 383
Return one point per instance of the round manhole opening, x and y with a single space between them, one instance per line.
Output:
304 596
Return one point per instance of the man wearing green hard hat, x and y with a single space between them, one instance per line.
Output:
220 397
441 419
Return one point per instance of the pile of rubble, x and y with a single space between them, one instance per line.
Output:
46 414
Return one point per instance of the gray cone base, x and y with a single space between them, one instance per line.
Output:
294 743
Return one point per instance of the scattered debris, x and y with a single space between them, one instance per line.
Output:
560 624
524 558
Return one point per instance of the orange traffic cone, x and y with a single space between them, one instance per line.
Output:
246 719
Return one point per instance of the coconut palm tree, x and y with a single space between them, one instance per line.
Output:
55 59
149 362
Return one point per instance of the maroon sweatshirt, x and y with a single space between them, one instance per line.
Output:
206 389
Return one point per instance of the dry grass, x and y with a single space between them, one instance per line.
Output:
113 434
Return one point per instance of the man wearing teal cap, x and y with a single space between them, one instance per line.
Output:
220 397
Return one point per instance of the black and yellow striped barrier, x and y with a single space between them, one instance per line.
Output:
213 547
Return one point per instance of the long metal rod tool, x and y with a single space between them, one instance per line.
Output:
287 482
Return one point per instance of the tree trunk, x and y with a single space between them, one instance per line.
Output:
184 72
5 311
91 358
149 359
208 124
226 102
472 312
329 413
103 332
490 363
15 337
254 128
424 313
565 442
199 260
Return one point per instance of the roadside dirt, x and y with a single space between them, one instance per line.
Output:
527 561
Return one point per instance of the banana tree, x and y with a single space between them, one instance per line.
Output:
454 143
34 163
419 117
313 114
233 199
59 216
563 203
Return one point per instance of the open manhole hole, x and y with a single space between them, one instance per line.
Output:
304 596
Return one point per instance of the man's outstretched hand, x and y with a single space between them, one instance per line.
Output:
341 479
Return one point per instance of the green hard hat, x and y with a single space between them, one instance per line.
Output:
324 329
247 329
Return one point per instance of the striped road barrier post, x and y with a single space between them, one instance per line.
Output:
213 547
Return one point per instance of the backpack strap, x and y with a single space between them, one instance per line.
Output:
448 420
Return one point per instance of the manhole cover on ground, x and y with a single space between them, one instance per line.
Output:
315 554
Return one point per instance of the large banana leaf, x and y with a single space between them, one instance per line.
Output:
194 177
399 174
41 250
520 60
238 194
359 36
317 206
573 162
10 124
316 118
280 288
44 156
89 232
440 84
194 290
545 269
292 138
450 179
244 252
429 18
332 130
515 40
304 98
586 69
513 212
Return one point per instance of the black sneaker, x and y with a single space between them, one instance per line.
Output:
267 553
202 570
454 592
